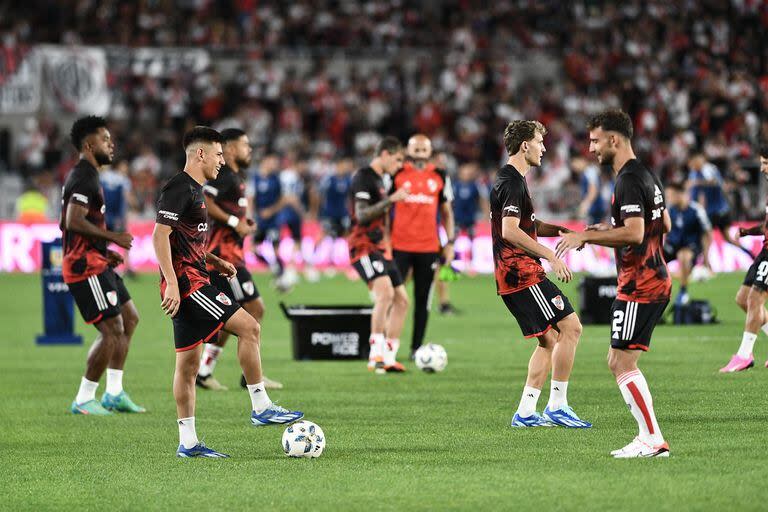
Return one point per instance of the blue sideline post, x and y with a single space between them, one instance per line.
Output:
58 304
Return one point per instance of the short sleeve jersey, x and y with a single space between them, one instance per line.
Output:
83 256
414 223
228 192
515 269
365 238
182 207
643 275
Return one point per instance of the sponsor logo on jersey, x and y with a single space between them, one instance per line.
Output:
80 197
203 226
169 215
512 209
420 199
631 208
223 299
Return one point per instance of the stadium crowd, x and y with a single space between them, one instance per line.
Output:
699 84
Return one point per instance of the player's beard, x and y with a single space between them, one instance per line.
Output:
243 163
102 158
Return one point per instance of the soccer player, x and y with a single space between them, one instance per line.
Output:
372 259
690 232
87 268
535 301
198 309
334 189
268 202
117 195
753 292
639 220
226 204
415 239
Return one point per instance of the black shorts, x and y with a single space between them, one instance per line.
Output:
374 265
670 251
538 308
201 315
721 221
99 297
268 230
757 275
335 227
239 288
633 323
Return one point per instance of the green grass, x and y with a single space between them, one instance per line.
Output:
413 441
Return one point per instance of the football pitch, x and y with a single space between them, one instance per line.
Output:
410 442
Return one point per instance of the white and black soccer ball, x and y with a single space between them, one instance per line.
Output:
431 358
303 439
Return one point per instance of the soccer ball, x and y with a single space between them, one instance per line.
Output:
431 358
303 439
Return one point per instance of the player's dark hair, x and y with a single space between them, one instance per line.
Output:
521 131
84 127
612 121
230 134
201 134
388 144
676 185
764 150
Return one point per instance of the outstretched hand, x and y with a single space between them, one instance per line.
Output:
568 241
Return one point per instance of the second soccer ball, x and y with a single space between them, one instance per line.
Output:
431 358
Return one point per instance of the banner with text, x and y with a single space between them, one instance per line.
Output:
20 250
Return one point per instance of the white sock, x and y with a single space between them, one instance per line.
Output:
747 344
637 396
378 344
208 359
114 381
87 391
558 395
187 433
259 399
528 401
391 346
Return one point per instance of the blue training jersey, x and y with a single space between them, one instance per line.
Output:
466 202
334 190
267 191
591 176
116 187
715 201
688 225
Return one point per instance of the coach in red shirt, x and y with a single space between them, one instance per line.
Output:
415 240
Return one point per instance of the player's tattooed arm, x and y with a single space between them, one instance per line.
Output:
511 232
76 220
544 229
365 213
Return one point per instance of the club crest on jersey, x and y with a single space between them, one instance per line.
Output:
223 299
112 297
103 209
432 184
558 302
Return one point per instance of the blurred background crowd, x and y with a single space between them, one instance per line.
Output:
316 83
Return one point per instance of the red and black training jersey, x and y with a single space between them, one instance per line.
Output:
83 256
181 206
414 223
643 275
228 192
365 238
515 269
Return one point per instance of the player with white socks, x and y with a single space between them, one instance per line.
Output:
198 309
371 255
639 220
753 292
